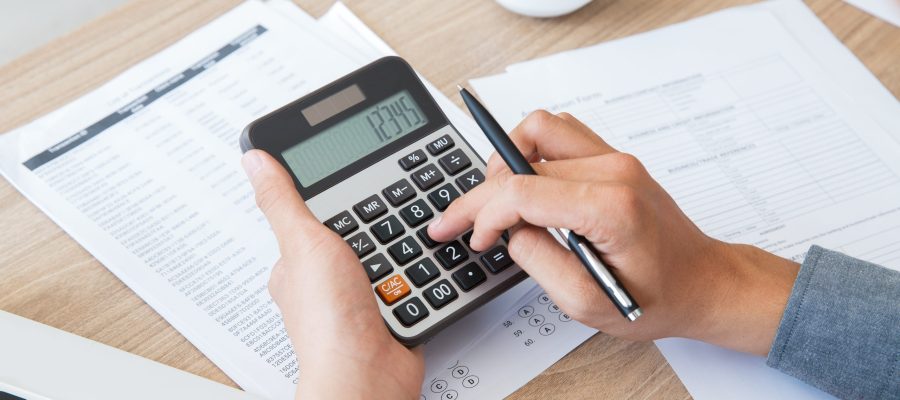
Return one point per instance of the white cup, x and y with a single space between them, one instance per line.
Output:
543 8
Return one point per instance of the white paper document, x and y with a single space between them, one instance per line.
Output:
144 173
755 140
887 10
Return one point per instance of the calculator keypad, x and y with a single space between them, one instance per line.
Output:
389 233
443 196
455 161
416 213
342 224
441 294
370 208
388 229
405 250
427 176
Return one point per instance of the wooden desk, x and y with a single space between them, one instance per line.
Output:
48 277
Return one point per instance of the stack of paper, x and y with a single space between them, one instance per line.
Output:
763 127
144 172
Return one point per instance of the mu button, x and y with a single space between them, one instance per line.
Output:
392 289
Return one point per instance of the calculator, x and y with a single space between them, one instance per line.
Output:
376 159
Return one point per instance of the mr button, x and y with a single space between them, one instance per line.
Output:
393 289
370 208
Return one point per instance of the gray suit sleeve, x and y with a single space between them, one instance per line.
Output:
840 331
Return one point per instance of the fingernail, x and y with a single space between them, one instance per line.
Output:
436 222
252 163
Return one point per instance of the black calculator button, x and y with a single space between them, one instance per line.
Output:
443 196
362 244
426 240
496 259
416 213
469 180
441 294
405 250
342 224
452 254
411 312
399 192
469 276
387 229
440 145
427 176
455 161
377 267
412 160
370 208
467 239
422 272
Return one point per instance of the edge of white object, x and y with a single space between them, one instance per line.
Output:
543 8
43 362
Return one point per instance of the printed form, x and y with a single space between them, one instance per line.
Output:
144 173
754 140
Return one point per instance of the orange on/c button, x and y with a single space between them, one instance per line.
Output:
392 289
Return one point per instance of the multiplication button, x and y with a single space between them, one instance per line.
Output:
469 180
342 224
370 208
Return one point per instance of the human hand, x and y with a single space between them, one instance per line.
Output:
688 284
329 309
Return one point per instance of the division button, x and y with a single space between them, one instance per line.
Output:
422 272
427 177
455 161
405 250
412 160
496 259
469 180
443 196
392 289
399 192
377 266
370 208
441 294
342 224
362 244
411 312
440 145
469 277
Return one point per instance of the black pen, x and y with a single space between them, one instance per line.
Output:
577 243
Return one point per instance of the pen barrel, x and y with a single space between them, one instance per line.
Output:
623 300
497 136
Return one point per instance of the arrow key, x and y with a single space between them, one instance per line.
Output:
377 266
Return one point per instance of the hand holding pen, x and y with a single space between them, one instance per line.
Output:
688 284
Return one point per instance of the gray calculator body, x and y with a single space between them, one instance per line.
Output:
376 160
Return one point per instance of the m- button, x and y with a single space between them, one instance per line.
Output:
370 208
342 224
399 192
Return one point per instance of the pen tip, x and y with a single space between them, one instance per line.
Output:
458 86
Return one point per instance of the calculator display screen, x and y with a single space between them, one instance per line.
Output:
354 137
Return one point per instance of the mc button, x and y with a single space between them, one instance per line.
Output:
342 224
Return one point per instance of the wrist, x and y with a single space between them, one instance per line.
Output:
754 287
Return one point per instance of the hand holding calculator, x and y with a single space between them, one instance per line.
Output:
376 159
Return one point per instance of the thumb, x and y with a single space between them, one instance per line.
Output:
278 199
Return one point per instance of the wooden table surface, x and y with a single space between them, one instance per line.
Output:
46 276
